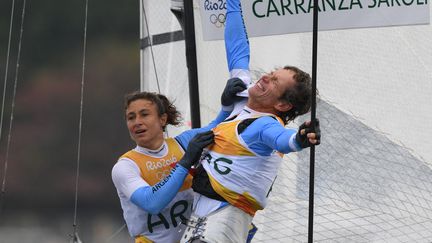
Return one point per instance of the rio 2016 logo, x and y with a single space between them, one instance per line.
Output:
218 20
216 5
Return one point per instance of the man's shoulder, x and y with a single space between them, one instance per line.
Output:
268 120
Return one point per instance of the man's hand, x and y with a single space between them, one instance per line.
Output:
233 86
308 135
195 148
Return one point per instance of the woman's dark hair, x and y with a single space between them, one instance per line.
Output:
164 106
299 96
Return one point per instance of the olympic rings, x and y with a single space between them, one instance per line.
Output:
162 174
218 20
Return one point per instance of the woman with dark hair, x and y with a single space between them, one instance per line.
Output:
152 179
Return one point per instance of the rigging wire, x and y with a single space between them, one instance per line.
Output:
109 239
3 188
151 50
151 45
7 66
75 238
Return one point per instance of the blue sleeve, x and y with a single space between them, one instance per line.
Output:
236 39
266 134
186 136
153 199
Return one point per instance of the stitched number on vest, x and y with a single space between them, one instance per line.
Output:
217 165
178 210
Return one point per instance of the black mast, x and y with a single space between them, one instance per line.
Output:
313 116
187 22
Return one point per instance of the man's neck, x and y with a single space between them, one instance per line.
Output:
259 109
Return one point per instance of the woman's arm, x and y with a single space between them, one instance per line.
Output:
127 179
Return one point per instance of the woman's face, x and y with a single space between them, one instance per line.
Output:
144 123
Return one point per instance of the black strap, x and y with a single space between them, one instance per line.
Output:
161 39
246 122
201 184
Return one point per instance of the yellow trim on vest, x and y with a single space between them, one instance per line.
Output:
243 201
153 170
225 140
142 239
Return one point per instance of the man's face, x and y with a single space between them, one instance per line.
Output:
264 95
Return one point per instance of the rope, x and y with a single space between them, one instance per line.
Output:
3 189
7 66
75 234
151 45
151 51
109 239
